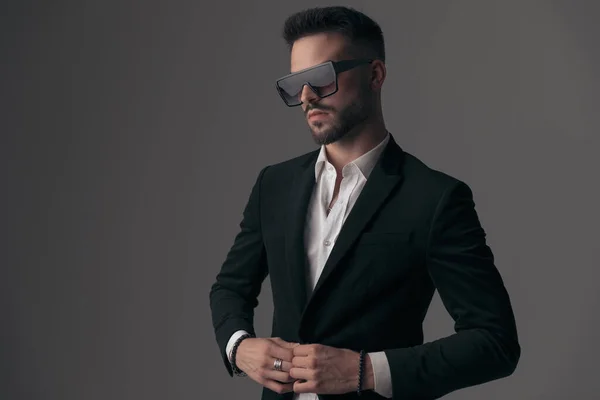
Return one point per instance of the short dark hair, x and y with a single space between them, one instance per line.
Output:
364 34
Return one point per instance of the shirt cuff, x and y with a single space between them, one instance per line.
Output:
231 342
382 374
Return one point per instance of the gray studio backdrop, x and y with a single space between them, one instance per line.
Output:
131 134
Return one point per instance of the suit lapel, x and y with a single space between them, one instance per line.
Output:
301 191
386 176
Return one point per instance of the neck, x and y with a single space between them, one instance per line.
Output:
355 144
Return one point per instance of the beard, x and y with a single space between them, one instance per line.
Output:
342 124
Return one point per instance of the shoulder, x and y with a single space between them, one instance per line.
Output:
429 182
418 170
283 171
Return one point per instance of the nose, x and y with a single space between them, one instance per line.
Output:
307 95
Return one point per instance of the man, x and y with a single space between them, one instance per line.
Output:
356 237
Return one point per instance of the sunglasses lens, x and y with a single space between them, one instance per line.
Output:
321 78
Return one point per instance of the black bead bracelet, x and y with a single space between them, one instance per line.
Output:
361 371
236 370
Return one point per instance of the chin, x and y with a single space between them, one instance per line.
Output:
319 138
324 138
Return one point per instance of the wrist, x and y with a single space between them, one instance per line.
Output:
369 376
236 370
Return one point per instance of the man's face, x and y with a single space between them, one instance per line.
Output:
343 111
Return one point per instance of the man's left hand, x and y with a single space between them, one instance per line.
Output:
328 370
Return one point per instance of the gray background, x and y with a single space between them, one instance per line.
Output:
131 134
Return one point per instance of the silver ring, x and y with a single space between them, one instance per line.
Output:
277 365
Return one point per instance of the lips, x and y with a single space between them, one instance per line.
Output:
316 113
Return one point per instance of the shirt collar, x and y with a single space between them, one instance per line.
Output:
365 163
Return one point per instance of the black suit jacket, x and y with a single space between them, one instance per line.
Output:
412 230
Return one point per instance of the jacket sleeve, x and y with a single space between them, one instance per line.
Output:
234 295
485 345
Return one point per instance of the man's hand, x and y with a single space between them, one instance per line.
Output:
256 356
328 370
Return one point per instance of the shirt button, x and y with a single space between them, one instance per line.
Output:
327 243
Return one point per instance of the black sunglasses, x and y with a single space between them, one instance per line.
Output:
322 79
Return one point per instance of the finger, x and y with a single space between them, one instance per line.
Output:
303 362
278 387
276 351
279 340
303 349
284 344
285 365
280 376
302 373
301 386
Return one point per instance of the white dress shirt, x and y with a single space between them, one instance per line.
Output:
321 233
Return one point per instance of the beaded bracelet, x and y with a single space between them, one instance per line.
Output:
360 372
236 370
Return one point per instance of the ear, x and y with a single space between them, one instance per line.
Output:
378 73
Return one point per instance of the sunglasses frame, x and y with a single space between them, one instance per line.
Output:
337 66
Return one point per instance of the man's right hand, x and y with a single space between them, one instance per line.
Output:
256 356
